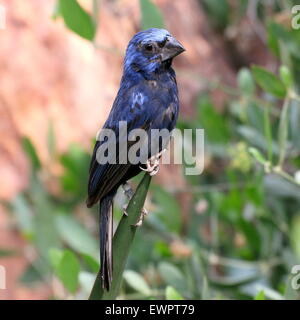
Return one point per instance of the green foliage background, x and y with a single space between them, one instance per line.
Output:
243 233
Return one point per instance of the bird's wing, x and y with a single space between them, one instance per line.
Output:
138 112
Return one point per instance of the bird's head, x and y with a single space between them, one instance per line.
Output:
151 49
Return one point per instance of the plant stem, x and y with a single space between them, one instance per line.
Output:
285 175
122 242
283 130
268 133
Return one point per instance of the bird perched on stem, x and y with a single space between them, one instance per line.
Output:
147 99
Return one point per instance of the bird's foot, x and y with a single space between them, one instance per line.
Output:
152 164
125 210
128 191
144 212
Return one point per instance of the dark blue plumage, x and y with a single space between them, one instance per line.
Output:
147 99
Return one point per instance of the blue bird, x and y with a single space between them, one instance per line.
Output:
147 99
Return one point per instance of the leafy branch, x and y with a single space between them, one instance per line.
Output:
122 242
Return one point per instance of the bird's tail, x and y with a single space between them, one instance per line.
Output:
106 235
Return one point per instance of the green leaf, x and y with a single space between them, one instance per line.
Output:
269 293
68 270
245 81
294 122
252 234
233 281
30 275
172 275
214 123
268 81
283 131
162 248
257 155
295 235
76 235
44 232
76 163
255 116
91 262
122 242
31 153
260 295
286 76
23 214
137 282
279 36
173 294
55 256
77 19
151 15
255 138
281 188
272 38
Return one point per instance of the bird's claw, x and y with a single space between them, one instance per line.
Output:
128 191
124 210
144 212
152 164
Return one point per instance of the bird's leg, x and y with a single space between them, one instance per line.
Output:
144 212
152 164
124 209
128 191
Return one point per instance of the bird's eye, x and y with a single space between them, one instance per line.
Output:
149 47
162 43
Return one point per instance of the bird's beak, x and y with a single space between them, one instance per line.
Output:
171 49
